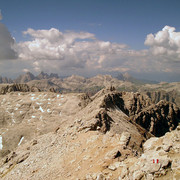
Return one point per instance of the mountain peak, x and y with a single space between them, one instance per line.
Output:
43 75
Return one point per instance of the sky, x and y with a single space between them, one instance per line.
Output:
89 37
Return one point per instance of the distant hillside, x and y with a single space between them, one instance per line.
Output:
123 82
129 78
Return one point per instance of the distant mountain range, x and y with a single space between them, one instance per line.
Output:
24 78
29 77
122 82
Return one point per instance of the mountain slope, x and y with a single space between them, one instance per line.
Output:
46 135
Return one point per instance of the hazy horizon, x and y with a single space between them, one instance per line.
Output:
87 38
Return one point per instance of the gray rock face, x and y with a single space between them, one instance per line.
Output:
15 87
25 78
159 119
157 96
125 138
42 75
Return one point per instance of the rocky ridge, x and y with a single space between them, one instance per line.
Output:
73 136
18 87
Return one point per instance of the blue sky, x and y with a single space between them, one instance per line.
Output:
116 21
122 21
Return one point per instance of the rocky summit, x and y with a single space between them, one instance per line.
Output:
108 136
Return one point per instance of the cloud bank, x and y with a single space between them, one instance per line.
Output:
82 53
73 51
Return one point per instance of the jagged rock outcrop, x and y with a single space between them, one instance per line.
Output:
52 90
157 96
42 75
158 119
85 100
128 102
25 78
103 121
5 80
135 102
15 87
171 96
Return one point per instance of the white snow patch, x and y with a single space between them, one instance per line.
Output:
33 116
32 94
49 99
45 95
19 94
49 103
38 103
32 98
21 112
16 109
57 95
20 141
1 145
62 96
60 104
48 110
41 109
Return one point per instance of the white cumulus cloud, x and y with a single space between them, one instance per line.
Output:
49 44
71 50
165 43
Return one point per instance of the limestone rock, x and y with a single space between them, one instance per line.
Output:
159 119
113 154
138 175
125 138
15 87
